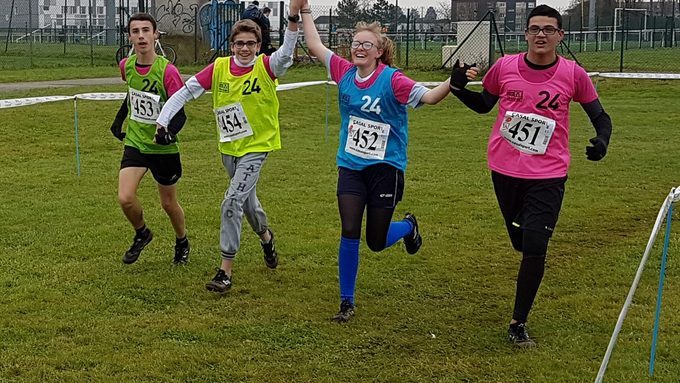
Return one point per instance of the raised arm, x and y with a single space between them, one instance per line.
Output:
282 58
311 34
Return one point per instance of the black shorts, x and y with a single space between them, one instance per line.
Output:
165 168
381 185
532 204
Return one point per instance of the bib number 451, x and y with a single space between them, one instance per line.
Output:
524 129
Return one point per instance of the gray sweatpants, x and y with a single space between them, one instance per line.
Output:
240 198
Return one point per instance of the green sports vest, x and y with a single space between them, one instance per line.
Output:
147 95
247 108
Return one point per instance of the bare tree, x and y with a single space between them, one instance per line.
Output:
444 9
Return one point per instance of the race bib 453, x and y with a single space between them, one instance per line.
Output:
145 107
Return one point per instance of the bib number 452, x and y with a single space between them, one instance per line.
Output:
361 139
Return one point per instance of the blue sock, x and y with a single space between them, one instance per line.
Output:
348 267
397 231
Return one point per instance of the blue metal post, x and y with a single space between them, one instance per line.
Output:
662 276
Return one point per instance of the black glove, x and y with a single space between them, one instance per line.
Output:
165 136
458 77
117 130
598 150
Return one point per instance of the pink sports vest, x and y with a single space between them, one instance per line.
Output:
526 112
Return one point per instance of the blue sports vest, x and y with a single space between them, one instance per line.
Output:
377 103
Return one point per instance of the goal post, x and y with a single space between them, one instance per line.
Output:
619 17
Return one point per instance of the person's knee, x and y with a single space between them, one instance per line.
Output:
126 199
516 238
375 245
351 231
169 205
535 244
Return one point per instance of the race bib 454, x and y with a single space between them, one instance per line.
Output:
232 122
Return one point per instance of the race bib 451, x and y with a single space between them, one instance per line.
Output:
527 132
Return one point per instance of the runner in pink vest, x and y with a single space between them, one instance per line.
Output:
528 151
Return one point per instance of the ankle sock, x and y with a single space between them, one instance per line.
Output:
141 231
182 241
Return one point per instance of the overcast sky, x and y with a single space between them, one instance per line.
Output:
559 4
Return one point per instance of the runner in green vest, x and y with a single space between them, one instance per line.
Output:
246 110
151 79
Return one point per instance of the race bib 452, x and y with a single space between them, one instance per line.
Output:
366 138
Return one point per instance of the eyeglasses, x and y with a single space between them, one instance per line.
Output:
240 44
364 44
547 30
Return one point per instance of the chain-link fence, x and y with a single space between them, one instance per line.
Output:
54 33
59 33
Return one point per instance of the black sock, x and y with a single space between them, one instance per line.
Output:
182 241
141 231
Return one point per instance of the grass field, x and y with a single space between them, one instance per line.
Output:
72 312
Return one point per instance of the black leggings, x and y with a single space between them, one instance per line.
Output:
378 220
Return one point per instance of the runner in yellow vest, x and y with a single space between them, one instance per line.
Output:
151 79
246 110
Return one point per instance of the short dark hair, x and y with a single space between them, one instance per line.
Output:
141 16
256 2
544 10
266 10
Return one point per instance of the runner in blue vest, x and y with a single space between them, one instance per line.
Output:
373 97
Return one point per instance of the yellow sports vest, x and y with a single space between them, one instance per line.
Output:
252 95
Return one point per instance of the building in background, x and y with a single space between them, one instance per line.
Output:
511 15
